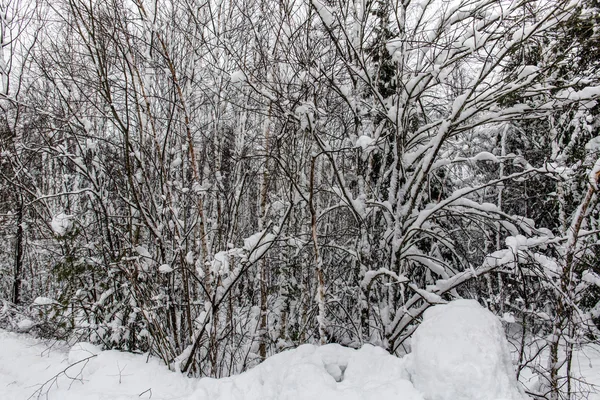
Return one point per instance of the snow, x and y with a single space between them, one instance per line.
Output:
364 142
485 156
220 264
142 251
165 269
330 372
527 70
587 361
591 277
82 351
460 353
370 275
459 102
509 317
594 175
257 244
515 243
586 93
593 145
25 325
325 14
176 162
237 77
28 367
43 301
252 241
61 224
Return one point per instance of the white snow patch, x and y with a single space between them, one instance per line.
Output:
594 174
324 12
257 244
591 277
364 142
165 269
459 102
485 156
82 351
25 325
527 70
220 264
593 144
176 162
43 301
142 251
61 224
587 93
189 258
460 353
237 76
330 372
516 243
509 317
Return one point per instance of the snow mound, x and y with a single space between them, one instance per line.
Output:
460 353
308 372
329 372
25 325
61 224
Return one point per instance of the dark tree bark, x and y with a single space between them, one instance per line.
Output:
18 255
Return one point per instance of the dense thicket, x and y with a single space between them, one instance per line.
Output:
216 181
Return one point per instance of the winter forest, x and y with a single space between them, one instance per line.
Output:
216 181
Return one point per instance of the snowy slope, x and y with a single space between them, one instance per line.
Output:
459 353
26 364
330 372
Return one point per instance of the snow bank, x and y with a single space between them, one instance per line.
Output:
83 372
330 372
25 325
448 362
460 353
34 368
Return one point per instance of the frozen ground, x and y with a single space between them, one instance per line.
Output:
459 354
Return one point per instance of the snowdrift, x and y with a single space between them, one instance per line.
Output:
460 353
329 372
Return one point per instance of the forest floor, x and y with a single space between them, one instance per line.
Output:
32 368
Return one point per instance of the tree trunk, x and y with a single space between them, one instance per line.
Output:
18 256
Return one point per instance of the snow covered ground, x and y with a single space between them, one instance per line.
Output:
460 352
308 372
451 361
